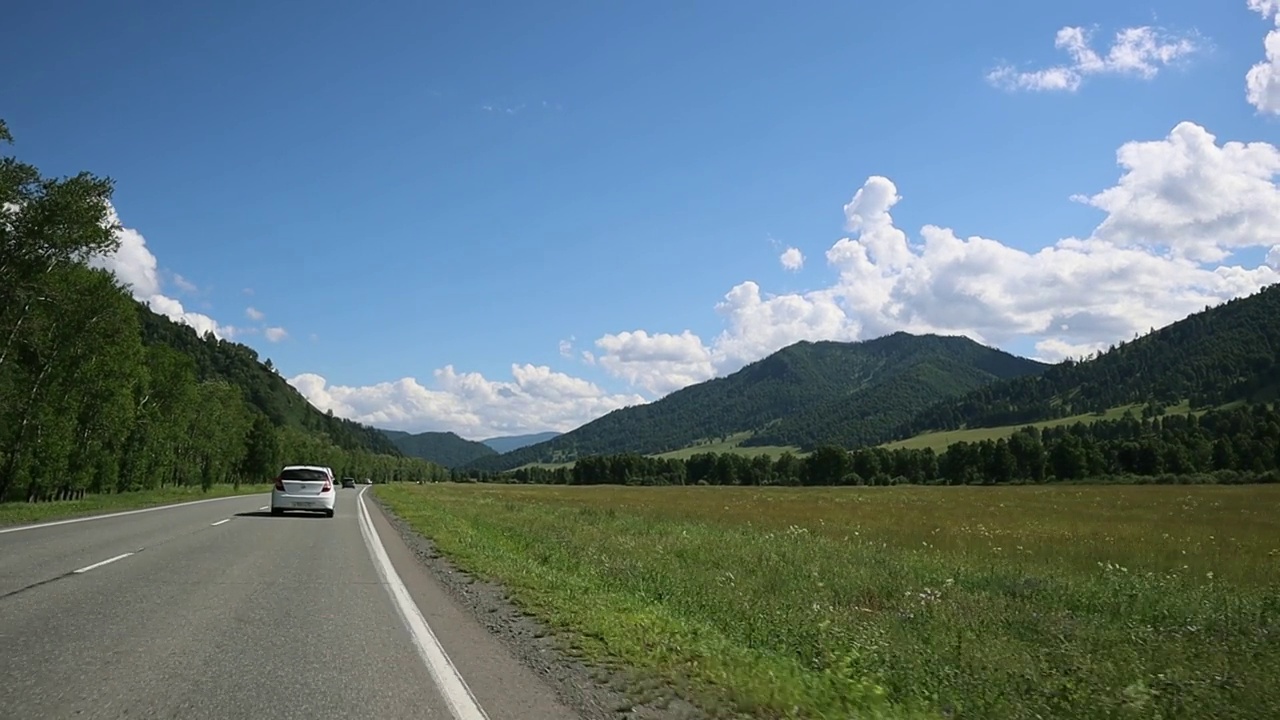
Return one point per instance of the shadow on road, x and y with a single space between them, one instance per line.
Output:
287 514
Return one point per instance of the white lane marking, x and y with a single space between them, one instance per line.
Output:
462 703
108 561
220 522
120 514
265 507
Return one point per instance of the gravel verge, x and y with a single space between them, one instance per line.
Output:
597 692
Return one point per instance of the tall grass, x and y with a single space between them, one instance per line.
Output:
1004 602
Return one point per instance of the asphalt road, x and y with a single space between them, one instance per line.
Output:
217 610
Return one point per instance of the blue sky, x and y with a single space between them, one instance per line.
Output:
407 186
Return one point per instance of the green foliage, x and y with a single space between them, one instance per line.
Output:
442 448
1226 353
1239 444
217 359
98 394
807 394
1004 602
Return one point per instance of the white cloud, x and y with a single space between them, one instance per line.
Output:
792 259
136 267
1182 204
659 363
1262 82
1136 51
566 348
254 314
184 284
275 334
537 398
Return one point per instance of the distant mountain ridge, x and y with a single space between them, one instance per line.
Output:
805 394
444 448
507 443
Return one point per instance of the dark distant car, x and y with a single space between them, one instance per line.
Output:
348 482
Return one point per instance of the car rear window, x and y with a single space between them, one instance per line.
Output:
304 474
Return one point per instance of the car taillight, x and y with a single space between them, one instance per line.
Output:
328 486
280 484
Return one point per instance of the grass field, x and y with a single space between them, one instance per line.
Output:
936 440
966 602
732 445
15 513
940 440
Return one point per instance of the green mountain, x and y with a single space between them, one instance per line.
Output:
444 448
805 394
262 387
508 443
1223 354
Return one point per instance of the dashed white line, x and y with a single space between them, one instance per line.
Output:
157 508
265 507
220 522
104 562
462 703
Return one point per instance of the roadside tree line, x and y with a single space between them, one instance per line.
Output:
1240 444
85 404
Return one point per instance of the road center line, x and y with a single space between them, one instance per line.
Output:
104 562
220 522
462 703
265 507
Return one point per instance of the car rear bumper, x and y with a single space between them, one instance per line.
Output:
285 501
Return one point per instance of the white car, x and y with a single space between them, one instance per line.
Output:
304 487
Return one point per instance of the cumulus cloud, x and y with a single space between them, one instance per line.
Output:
254 314
535 399
1136 52
1262 82
135 266
566 348
792 259
275 334
659 363
1182 205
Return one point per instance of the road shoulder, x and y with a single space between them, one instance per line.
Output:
509 658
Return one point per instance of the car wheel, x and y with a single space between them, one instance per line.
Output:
277 511
328 513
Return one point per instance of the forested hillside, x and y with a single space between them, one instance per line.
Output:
1226 353
804 394
99 394
262 386
445 448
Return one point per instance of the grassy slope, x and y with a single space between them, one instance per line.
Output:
19 513
1057 602
940 440
936 440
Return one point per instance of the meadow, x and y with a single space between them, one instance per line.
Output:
939 441
895 602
